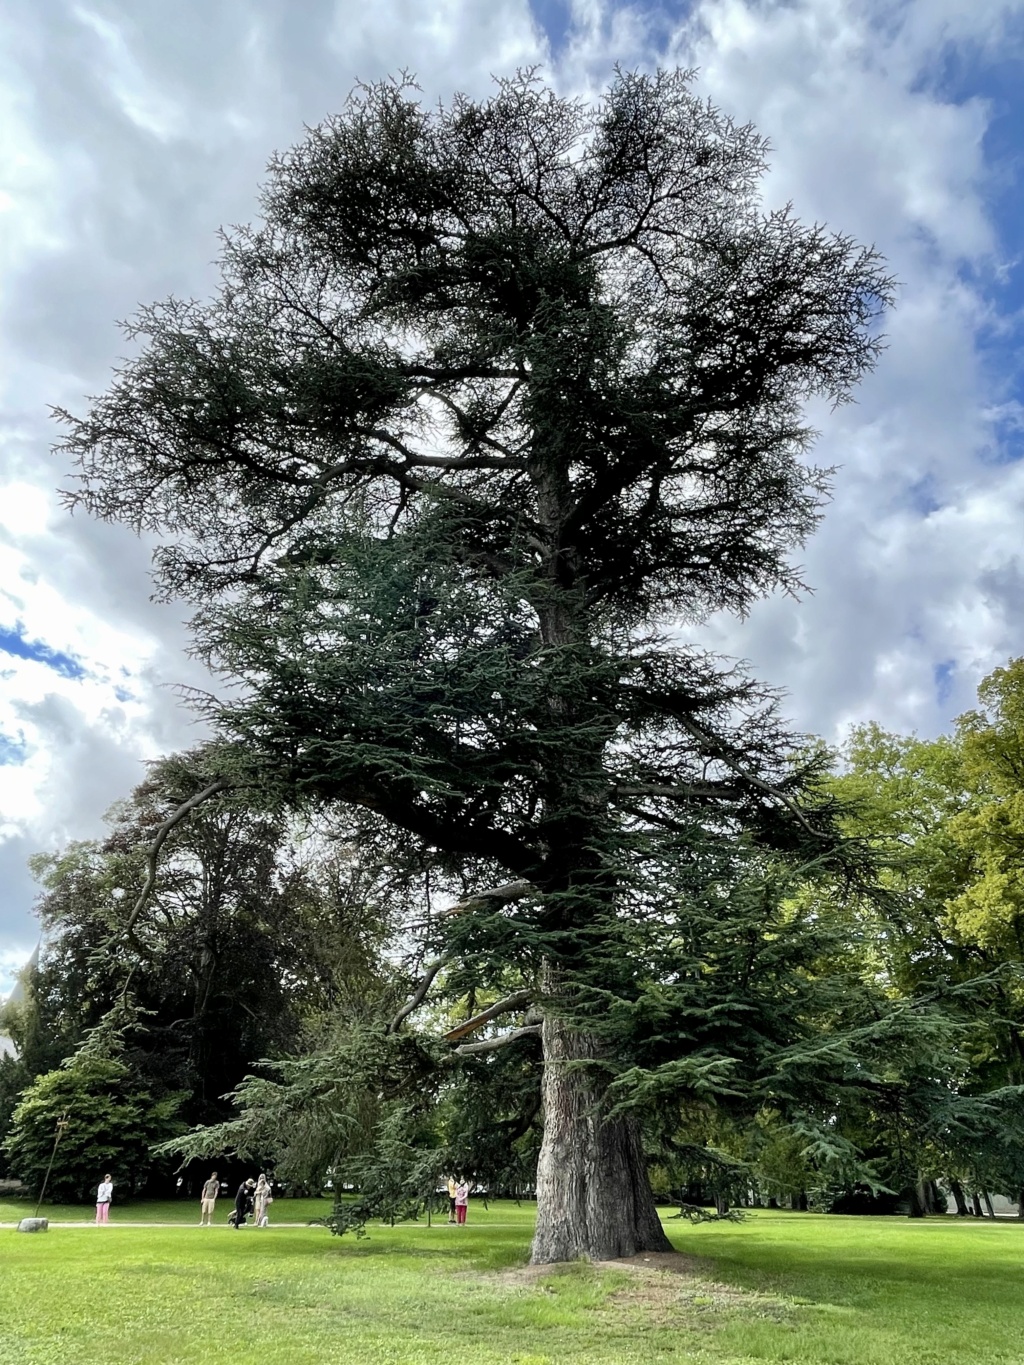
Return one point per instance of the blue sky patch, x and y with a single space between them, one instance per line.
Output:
15 643
555 18
12 751
968 72
944 676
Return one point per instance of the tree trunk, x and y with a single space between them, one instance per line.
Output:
916 1209
594 1200
975 1200
988 1203
957 1191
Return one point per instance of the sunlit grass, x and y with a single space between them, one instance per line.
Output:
779 1287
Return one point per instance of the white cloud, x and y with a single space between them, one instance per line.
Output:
864 138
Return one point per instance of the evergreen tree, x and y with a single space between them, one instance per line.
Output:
493 398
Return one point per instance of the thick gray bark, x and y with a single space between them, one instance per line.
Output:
594 1200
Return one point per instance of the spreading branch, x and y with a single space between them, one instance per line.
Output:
722 752
511 1002
153 855
492 1044
494 895
501 895
418 996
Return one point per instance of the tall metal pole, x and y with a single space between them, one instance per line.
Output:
62 1123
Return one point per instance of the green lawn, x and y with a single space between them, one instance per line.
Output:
779 1287
160 1211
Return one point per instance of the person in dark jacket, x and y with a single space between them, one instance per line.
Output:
243 1201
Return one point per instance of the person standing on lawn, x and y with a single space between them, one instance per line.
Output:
451 1199
207 1201
104 1194
261 1199
461 1201
243 1201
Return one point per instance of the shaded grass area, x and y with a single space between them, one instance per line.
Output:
779 1287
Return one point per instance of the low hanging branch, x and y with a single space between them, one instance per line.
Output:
492 1044
163 830
511 1002
501 895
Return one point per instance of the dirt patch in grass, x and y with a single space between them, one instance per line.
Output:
672 1262
671 1291
661 1289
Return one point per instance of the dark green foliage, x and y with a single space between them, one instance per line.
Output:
311 1115
14 1078
112 1123
251 945
493 398
399 1176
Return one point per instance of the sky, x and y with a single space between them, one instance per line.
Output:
130 130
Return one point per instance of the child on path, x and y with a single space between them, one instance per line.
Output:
451 1199
104 1194
461 1200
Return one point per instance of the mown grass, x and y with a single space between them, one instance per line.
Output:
795 1288
184 1211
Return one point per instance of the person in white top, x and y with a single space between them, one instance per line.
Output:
103 1197
261 1198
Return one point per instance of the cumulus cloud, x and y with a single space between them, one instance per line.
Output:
907 613
130 131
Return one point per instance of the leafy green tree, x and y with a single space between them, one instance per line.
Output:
112 1123
494 397
988 910
254 940
940 814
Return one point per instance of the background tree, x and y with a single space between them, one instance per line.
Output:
259 935
494 397
942 816
113 1122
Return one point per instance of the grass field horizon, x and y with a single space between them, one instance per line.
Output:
777 1287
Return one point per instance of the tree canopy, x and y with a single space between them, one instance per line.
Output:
494 398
